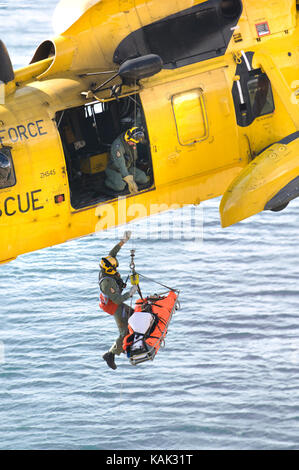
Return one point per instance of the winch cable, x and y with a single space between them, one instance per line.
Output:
135 276
156 282
135 154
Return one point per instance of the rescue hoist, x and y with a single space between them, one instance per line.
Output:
134 278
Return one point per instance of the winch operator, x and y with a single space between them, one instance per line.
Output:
121 169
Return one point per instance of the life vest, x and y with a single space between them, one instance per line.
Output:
107 304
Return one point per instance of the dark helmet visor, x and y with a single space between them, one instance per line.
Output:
137 136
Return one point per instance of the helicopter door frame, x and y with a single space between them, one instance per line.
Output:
87 132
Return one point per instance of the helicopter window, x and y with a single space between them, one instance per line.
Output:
7 173
253 96
200 32
190 116
87 133
179 38
260 96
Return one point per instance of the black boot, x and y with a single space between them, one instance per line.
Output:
109 358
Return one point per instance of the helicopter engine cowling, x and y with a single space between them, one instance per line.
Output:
269 182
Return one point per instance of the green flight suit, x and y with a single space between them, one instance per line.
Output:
121 164
111 287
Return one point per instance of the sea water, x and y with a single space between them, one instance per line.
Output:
228 377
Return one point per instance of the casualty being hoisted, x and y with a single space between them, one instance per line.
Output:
148 325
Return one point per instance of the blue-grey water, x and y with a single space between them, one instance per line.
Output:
228 377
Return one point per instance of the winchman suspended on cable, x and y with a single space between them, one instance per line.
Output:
112 299
153 312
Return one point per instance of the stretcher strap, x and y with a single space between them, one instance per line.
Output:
148 335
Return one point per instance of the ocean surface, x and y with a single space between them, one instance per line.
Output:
228 377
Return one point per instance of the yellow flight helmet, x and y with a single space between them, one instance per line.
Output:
135 134
109 265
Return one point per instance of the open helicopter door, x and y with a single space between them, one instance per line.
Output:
87 133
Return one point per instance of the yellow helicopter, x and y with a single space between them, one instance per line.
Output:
214 84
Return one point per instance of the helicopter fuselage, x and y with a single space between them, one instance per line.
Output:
227 91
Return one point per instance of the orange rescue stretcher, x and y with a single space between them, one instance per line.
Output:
148 326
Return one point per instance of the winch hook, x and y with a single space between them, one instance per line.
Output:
134 276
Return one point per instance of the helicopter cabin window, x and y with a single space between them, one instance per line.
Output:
253 96
260 96
190 116
100 152
200 32
7 172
